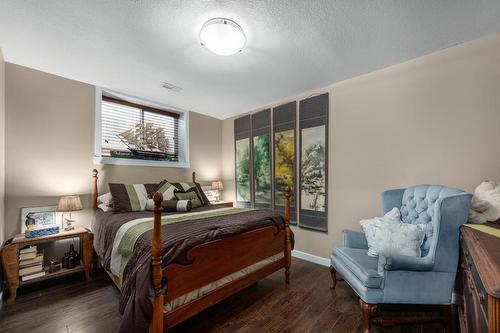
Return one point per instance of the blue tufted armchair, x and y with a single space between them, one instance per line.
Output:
428 279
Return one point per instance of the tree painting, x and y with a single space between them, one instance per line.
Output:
262 169
243 170
313 169
284 165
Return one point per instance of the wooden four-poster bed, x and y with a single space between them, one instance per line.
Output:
209 262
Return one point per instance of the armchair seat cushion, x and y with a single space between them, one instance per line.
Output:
360 264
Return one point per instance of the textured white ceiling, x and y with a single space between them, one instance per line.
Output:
293 46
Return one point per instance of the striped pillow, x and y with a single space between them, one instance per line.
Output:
177 205
171 205
166 189
128 197
151 188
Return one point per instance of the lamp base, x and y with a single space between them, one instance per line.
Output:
69 226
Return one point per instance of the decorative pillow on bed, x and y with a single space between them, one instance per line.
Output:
165 188
128 197
151 189
171 205
188 195
105 198
177 205
105 202
196 187
105 207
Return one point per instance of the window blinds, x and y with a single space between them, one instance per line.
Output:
119 116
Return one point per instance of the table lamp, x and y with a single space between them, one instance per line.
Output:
69 204
217 186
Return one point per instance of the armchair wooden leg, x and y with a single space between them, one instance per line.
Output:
333 273
368 312
449 324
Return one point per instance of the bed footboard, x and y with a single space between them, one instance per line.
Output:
218 259
212 261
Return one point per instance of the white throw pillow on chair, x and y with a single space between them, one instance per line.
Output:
398 238
370 226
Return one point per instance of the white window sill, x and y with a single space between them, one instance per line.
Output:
99 160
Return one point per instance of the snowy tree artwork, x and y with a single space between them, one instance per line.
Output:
313 172
243 170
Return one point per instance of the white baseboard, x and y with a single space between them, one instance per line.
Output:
311 257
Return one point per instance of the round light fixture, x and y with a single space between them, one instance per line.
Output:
222 36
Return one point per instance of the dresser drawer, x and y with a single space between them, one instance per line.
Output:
480 280
475 279
475 299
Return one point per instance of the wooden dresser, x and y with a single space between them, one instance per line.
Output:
479 282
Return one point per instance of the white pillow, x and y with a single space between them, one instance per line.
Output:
105 198
105 207
485 204
398 238
371 225
105 202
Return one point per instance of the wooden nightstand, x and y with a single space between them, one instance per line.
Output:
10 257
222 203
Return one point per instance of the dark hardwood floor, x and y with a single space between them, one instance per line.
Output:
307 305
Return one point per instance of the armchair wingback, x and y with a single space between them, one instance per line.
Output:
428 279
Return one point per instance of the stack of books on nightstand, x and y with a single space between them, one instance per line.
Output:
30 263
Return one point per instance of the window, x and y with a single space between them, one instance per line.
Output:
133 132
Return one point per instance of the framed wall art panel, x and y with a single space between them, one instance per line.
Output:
285 157
262 154
243 161
313 172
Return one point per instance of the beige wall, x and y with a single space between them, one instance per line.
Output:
434 119
50 145
2 148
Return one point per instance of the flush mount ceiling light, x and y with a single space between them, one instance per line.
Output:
222 36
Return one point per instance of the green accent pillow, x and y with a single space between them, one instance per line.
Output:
188 195
184 187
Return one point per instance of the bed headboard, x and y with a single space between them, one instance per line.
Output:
95 193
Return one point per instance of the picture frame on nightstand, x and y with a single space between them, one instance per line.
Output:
39 221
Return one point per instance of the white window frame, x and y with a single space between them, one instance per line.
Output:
183 161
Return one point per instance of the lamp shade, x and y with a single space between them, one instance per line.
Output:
69 203
217 185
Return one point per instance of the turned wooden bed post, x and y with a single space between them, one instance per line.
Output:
193 175
156 246
94 189
288 236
